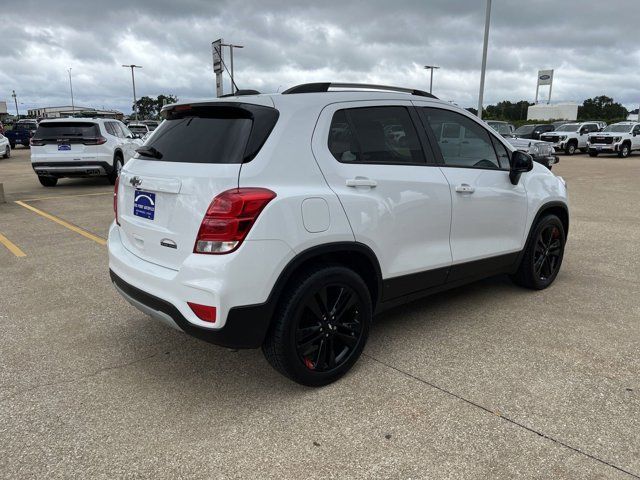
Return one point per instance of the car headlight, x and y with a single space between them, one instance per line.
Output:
533 149
616 139
563 137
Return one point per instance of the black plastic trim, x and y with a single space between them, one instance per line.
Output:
106 165
321 87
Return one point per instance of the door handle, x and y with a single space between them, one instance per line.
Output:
361 182
465 188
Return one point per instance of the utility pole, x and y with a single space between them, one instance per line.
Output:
432 68
133 81
484 57
73 108
15 99
233 79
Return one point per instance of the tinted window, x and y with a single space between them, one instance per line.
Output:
471 148
375 135
504 156
70 130
203 135
111 128
524 129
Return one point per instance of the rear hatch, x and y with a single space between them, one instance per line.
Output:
66 140
194 155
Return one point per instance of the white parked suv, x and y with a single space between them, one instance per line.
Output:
5 148
621 138
287 221
80 147
570 137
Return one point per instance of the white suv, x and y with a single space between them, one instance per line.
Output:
287 221
621 138
570 137
80 147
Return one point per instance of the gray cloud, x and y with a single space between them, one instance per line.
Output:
289 42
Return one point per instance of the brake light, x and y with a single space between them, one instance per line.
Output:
204 312
36 142
229 219
115 199
94 141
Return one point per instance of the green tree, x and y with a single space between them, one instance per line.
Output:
507 110
602 108
149 107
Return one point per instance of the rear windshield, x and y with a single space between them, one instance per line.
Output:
211 134
525 129
70 130
137 128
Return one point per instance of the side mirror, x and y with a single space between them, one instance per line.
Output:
520 163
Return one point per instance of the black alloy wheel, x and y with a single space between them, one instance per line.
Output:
328 327
547 253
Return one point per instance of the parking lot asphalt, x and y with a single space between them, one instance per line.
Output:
485 381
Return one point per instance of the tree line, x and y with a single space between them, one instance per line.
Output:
149 107
596 108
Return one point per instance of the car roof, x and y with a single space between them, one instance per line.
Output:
73 119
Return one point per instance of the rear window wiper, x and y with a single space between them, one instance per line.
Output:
148 151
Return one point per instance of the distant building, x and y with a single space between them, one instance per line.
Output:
3 108
633 115
76 111
556 111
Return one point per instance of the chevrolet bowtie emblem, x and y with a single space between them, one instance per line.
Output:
135 181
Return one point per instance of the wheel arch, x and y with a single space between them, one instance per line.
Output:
558 209
118 153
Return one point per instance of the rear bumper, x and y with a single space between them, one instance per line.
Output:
246 327
239 285
72 169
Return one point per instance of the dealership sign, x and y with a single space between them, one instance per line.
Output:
545 77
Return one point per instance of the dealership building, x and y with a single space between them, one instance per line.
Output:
73 111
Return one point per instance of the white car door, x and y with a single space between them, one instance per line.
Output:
488 212
396 198
129 144
635 137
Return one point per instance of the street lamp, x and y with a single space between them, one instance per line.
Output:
15 99
73 108
233 79
133 81
484 57
432 68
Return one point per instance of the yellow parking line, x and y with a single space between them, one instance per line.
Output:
65 196
64 223
12 247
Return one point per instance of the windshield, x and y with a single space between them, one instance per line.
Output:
501 128
55 130
524 129
138 129
568 127
618 128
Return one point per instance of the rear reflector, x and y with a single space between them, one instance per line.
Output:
203 312
229 219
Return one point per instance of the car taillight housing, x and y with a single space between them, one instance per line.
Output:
229 218
36 142
94 141
115 199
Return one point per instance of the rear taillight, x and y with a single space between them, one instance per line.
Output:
36 143
229 218
115 199
94 141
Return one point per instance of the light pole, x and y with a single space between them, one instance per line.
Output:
484 57
15 99
233 79
133 81
432 68
73 108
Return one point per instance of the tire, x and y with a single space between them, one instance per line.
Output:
48 181
543 254
7 152
624 151
593 154
117 166
13 145
305 339
570 149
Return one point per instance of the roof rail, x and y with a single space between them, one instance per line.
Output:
325 86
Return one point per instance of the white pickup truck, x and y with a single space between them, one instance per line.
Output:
621 138
571 136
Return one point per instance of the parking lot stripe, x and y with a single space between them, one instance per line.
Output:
12 247
64 223
53 197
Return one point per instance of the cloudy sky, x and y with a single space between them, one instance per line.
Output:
592 45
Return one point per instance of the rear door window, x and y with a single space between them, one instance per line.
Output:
383 135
